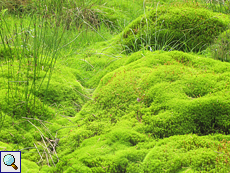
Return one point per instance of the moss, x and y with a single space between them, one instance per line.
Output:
5 147
147 112
28 166
178 22
111 132
57 87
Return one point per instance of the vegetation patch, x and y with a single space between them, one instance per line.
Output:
176 28
115 86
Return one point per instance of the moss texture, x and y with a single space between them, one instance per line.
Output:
145 112
183 27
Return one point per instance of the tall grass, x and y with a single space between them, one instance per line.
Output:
36 33
29 42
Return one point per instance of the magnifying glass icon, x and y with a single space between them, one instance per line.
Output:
9 160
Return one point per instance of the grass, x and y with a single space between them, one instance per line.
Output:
37 37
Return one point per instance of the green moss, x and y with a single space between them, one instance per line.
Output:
5 147
144 112
28 166
181 23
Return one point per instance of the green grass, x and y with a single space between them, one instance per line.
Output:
78 71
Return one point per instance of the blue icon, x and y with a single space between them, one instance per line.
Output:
9 160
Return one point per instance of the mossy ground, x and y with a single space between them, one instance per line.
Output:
145 112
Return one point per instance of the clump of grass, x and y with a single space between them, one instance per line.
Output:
221 49
148 31
17 41
145 42
24 47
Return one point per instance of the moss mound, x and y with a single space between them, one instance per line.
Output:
143 117
174 28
